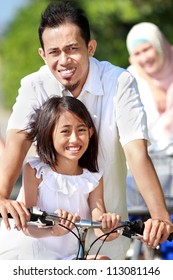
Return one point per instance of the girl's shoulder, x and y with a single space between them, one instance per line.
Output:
40 167
91 176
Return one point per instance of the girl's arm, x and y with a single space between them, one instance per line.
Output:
29 186
29 196
98 213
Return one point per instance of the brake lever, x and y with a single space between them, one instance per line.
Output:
133 229
41 218
137 236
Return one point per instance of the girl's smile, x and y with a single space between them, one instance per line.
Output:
71 138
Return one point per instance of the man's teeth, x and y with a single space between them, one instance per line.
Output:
68 71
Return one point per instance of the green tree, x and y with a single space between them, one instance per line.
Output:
110 22
19 50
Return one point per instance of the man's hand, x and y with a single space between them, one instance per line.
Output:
156 231
17 210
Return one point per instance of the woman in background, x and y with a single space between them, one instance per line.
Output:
151 59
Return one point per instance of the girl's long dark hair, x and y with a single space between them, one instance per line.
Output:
42 124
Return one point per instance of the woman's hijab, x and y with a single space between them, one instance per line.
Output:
150 33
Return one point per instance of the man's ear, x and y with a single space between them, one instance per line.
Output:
92 47
42 54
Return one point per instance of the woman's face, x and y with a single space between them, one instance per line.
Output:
146 56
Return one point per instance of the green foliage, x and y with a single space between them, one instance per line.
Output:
110 22
19 50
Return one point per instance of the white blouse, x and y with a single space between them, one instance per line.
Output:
56 191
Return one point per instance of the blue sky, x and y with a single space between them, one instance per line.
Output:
8 9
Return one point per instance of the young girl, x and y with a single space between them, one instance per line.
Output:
64 178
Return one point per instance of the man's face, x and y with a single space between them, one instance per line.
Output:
66 54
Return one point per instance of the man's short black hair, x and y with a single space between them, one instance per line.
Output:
61 12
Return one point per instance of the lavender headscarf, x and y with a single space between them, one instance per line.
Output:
149 32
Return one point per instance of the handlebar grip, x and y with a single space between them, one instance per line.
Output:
138 226
33 217
8 215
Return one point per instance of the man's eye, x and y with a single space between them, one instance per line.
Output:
72 49
54 52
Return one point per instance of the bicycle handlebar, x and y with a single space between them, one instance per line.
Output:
130 229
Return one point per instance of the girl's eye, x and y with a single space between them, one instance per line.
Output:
65 131
82 129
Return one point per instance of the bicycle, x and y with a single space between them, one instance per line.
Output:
129 229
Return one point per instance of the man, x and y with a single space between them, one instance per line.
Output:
111 96
1 145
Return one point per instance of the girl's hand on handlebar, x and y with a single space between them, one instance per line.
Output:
66 219
17 210
109 222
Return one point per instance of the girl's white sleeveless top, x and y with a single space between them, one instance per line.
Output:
55 191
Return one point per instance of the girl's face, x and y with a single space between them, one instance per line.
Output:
70 137
147 58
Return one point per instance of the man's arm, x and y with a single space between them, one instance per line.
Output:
1 145
140 164
16 148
